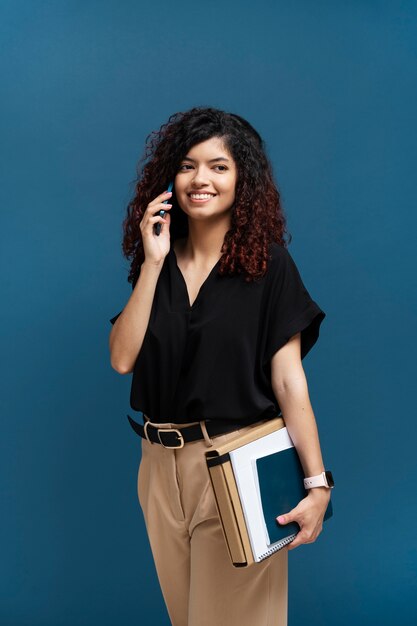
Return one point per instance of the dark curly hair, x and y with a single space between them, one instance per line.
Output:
257 218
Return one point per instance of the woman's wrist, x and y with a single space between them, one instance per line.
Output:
320 492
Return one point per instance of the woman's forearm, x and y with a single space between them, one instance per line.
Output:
128 332
294 402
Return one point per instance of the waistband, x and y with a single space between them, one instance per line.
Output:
174 435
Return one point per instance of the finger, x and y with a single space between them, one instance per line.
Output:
286 518
161 205
157 218
148 217
162 196
150 211
298 541
304 536
294 544
162 213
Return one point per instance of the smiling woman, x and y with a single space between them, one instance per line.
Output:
204 179
216 299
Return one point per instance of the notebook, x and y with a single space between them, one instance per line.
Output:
269 478
256 476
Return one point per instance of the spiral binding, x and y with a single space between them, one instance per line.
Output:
281 543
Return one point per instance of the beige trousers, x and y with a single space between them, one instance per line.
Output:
199 584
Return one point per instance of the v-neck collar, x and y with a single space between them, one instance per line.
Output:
186 295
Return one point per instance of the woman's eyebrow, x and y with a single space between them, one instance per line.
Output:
211 160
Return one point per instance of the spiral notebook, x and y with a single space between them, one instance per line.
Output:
257 478
269 478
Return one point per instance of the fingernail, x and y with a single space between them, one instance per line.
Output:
281 519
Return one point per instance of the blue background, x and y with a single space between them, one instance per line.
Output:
331 86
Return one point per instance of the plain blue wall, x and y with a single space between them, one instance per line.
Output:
331 87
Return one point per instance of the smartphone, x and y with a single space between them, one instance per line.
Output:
158 226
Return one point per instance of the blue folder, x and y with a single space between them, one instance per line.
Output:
281 487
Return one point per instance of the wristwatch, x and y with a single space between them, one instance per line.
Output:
325 479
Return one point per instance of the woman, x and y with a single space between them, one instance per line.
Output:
214 332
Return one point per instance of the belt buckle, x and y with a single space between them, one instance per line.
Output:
169 430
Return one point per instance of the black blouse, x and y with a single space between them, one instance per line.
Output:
212 360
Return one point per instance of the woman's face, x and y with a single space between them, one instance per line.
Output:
207 168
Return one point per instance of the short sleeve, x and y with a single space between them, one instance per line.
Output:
113 319
290 308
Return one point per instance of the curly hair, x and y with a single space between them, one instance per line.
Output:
257 217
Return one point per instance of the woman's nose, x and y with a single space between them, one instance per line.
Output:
200 177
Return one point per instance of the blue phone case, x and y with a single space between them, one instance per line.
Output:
158 226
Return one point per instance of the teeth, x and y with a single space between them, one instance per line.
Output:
201 196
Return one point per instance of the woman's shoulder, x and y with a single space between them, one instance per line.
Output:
281 263
278 252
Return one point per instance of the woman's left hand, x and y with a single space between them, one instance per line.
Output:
308 514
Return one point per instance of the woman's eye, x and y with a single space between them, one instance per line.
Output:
186 165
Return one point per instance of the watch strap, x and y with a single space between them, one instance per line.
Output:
317 481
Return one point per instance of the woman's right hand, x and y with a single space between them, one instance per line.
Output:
156 247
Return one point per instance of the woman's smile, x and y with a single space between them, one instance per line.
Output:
201 198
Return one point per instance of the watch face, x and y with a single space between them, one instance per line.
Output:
329 477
